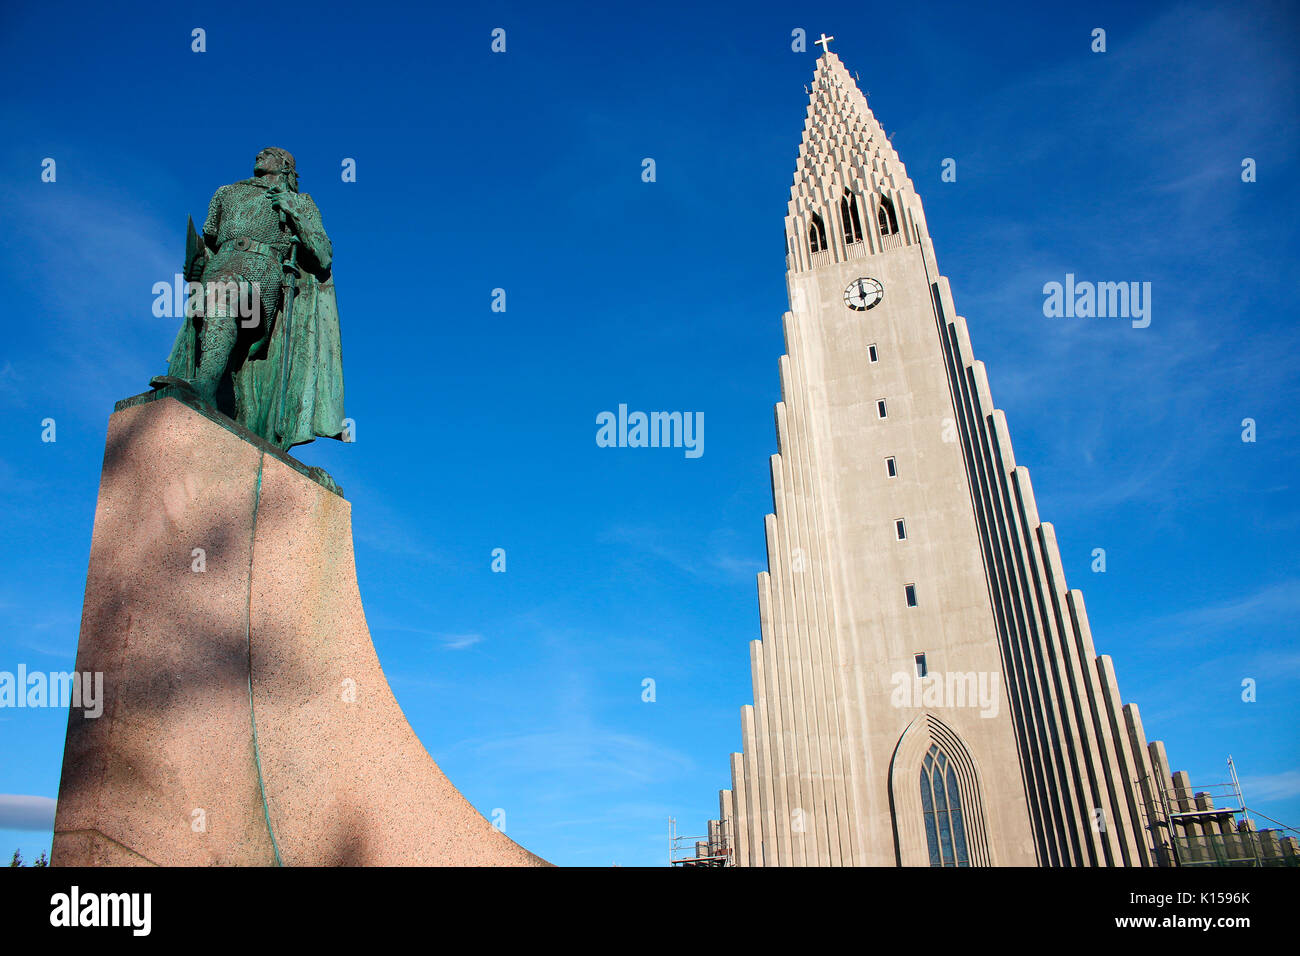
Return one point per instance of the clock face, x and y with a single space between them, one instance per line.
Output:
863 294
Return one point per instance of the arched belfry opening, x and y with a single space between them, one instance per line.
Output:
849 218
886 217
817 234
936 798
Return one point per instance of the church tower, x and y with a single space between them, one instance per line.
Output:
926 691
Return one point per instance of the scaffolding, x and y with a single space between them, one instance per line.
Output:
1211 826
711 850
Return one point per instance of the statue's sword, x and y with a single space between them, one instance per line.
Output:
290 287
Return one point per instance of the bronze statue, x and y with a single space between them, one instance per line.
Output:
260 341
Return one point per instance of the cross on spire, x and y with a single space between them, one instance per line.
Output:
824 43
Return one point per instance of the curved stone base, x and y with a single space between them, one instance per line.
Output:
246 718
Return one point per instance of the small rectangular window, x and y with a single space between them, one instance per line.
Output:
902 531
920 665
911 595
871 351
891 468
880 408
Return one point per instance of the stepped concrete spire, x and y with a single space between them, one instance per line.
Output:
925 686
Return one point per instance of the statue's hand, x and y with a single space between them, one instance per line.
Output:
285 202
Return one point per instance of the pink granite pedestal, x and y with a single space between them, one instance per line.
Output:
246 719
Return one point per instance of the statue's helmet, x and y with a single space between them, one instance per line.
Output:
273 159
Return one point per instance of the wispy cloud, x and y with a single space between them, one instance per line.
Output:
602 757
40 626
26 812
719 557
451 642
99 337
1275 605
1274 786
459 642
1128 390
391 530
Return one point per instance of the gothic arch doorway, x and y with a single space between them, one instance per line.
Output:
936 798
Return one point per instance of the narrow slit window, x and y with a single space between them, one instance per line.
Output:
920 665
910 591
880 409
871 351
900 529
891 468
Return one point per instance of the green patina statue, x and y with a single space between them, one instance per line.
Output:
260 340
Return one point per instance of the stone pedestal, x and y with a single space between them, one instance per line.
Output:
246 718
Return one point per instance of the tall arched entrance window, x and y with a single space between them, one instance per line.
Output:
945 831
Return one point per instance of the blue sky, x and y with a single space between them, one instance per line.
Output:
475 429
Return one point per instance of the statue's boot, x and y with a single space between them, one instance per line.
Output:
163 381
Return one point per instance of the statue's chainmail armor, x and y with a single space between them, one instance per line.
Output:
242 210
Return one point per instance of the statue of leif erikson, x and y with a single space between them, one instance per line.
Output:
260 341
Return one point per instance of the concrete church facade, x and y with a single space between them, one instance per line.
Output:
926 691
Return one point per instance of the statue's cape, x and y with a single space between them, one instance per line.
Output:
314 397
181 361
